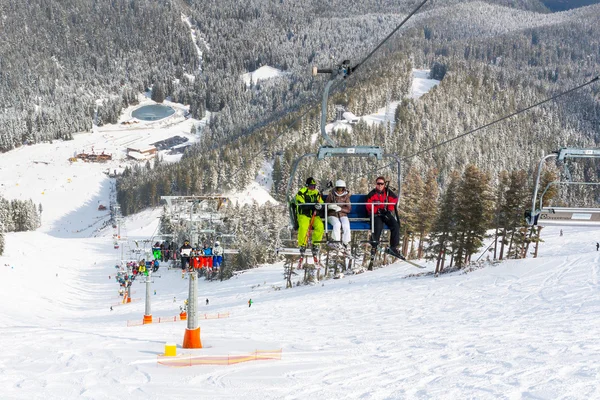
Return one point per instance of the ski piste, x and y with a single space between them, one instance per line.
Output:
402 258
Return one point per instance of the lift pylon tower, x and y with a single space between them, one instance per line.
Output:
148 309
191 339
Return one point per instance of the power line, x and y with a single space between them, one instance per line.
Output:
335 85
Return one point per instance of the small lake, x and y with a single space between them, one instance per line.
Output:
152 112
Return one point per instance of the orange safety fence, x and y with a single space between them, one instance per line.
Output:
120 296
177 318
121 303
187 360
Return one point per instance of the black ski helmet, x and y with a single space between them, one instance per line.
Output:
311 181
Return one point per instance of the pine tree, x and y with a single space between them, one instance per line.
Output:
412 195
277 190
166 226
158 93
500 201
473 212
427 211
513 210
444 229
1 237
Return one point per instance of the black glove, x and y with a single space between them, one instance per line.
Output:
303 206
381 212
318 206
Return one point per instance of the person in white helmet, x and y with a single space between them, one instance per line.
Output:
337 212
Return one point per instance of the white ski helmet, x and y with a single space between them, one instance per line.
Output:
217 243
340 183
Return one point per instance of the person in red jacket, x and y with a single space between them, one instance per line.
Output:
384 215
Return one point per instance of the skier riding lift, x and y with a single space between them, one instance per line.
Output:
307 213
384 216
338 213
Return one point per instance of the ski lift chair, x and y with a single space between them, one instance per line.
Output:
360 220
563 216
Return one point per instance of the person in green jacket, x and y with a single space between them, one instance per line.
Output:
250 303
304 213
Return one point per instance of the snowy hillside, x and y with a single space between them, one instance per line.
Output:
70 192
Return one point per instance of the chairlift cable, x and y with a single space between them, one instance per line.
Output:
502 118
493 122
334 86
390 35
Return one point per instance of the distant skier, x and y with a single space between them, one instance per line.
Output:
597 246
110 308
561 233
250 303
206 301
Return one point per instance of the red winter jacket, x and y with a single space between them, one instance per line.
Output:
376 197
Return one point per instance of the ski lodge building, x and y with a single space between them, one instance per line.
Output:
141 152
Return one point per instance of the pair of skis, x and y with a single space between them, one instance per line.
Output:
391 253
402 258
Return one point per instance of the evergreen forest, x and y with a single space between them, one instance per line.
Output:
65 64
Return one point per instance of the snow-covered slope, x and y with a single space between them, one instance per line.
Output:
421 84
520 329
70 192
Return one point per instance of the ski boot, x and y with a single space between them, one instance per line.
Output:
315 250
372 255
395 252
302 256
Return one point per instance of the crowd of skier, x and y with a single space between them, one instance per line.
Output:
199 256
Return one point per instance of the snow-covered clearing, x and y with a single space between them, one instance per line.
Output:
261 74
196 39
259 190
421 84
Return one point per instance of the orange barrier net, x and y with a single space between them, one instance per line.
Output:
121 303
188 360
177 318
